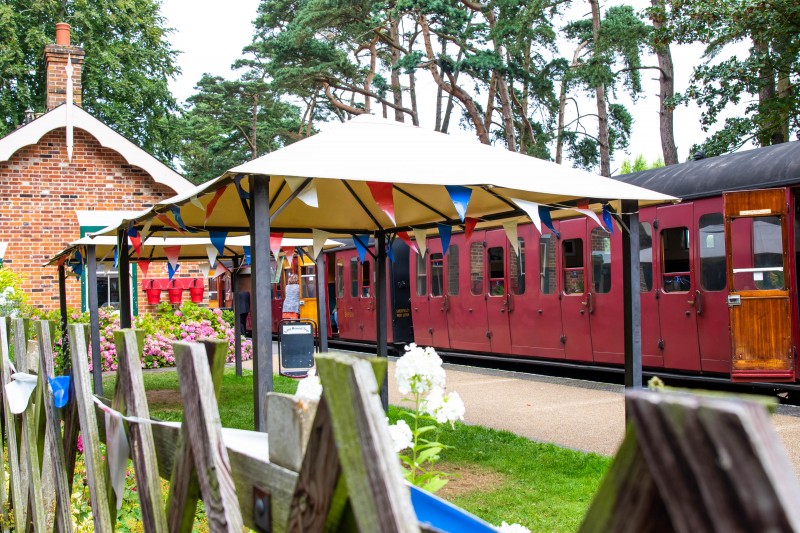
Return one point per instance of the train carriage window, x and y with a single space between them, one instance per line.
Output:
497 274
601 261
452 270
760 265
645 257
422 278
340 278
437 274
354 277
675 263
711 238
547 264
308 281
476 267
574 275
365 279
516 268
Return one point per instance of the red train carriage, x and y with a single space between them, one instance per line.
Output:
718 279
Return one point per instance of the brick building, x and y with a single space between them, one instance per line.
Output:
50 197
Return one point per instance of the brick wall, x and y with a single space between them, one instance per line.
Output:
40 193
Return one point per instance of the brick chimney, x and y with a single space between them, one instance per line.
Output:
55 63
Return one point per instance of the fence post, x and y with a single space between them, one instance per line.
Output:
16 485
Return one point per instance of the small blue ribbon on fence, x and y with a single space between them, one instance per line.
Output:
60 386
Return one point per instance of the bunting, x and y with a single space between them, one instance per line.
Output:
319 237
116 257
469 227
19 390
165 219
205 268
275 240
144 265
237 180
420 235
532 209
390 251
176 212
246 255
172 270
544 214
220 269
211 251
136 241
510 226
197 203
407 239
460 196
60 387
361 242
218 240
608 219
308 195
172 253
590 214
288 251
382 194
445 232
213 203
146 229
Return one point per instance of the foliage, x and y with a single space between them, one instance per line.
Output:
12 299
639 164
125 72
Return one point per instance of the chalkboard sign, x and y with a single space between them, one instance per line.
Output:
296 348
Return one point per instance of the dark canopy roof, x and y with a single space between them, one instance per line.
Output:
773 166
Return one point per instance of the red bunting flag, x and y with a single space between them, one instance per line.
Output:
288 251
382 194
144 265
583 204
137 244
61 260
275 240
213 203
172 253
408 240
165 219
469 226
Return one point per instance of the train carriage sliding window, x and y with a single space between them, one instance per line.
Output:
574 282
711 239
476 267
422 278
340 278
645 257
452 270
354 277
675 259
365 280
497 278
547 264
437 274
760 265
601 261
308 281
516 268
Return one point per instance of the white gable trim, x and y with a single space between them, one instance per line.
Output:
104 218
32 132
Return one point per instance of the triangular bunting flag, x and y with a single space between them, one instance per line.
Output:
361 242
591 214
309 194
116 257
407 239
237 180
420 235
176 212
382 194
460 196
171 270
275 240
469 227
220 269
144 265
319 238
136 241
246 250
213 203
172 253
445 232
218 240
165 219
390 251
511 232
197 203
204 268
544 214
211 251
288 251
608 220
532 209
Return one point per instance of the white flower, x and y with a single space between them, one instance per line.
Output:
309 388
512 528
419 370
444 407
401 436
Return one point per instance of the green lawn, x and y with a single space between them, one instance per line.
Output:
500 476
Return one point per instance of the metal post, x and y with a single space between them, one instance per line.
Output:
632 315
260 297
237 322
62 300
94 318
380 308
322 302
124 269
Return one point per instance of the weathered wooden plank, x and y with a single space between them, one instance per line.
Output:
17 488
184 489
95 474
201 417
288 429
46 468
380 500
148 485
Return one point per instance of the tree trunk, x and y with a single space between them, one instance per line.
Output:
254 128
562 103
768 133
784 92
412 92
600 95
397 90
438 126
666 89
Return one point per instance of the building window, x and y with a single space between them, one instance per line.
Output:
365 285
108 289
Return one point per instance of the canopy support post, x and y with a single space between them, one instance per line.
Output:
62 301
261 297
322 302
94 318
632 315
380 308
124 280
237 317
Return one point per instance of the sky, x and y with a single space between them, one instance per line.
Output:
211 35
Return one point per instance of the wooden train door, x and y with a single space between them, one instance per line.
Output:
676 305
348 312
648 257
544 318
420 314
497 294
757 244
575 302
366 300
469 331
604 293
526 317
437 295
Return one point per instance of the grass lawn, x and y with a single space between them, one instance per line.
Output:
499 476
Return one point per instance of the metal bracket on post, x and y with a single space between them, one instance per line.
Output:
262 515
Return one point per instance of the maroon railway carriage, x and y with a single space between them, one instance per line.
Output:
718 279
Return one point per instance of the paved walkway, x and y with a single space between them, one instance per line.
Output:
571 413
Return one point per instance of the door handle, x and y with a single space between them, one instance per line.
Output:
698 302
588 303
510 302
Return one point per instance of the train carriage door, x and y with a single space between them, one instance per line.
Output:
543 319
676 304
348 311
420 314
756 243
498 304
604 294
576 304
366 300
437 295
469 331
648 257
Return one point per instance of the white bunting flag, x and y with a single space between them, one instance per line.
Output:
118 451
532 210
591 214
146 229
309 195
319 237
511 232
205 268
19 390
197 203
421 235
212 252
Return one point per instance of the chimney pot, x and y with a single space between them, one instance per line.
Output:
62 34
